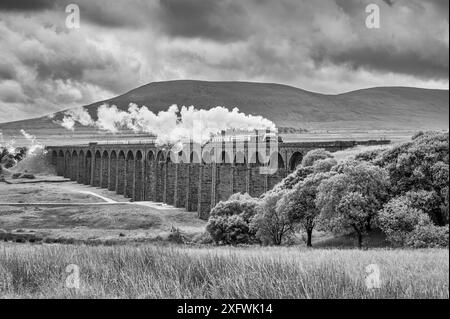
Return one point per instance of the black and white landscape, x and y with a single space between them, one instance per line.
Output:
215 149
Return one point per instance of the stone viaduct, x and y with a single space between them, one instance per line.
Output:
146 172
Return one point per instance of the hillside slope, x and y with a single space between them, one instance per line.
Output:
383 108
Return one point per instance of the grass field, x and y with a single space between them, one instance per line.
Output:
70 212
39 271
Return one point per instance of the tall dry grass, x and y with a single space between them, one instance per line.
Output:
38 271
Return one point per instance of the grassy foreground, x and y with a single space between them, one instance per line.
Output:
39 271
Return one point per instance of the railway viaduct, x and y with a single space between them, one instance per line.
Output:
146 172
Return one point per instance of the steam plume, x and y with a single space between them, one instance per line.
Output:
34 146
72 116
169 126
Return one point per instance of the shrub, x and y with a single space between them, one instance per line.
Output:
312 156
175 236
229 221
428 202
16 175
399 218
405 224
417 135
429 236
203 238
369 156
9 158
324 165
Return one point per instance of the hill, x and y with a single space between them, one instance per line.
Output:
383 108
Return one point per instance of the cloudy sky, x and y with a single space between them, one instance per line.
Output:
317 45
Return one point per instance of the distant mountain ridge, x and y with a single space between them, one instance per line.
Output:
381 108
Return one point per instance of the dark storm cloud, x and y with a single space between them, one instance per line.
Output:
7 71
411 39
387 60
220 20
118 14
442 4
316 45
113 14
26 5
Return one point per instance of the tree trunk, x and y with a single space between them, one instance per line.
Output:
360 240
309 240
368 225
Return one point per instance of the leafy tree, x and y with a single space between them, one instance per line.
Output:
324 165
370 155
352 197
272 223
399 218
413 165
300 203
429 203
421 165
229 221
312 156
294 178
417 135
10 158
428 236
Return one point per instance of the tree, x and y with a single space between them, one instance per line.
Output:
369 155
428 202
407 220
429 236
324 165
229 221
420 164
271 223
300 203
10 157
399 218
352 197
294 178
315 155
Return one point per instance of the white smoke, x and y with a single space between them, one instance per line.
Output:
27 136
34 146
68 123
72 116
194 124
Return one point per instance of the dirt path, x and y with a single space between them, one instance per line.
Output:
106 199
